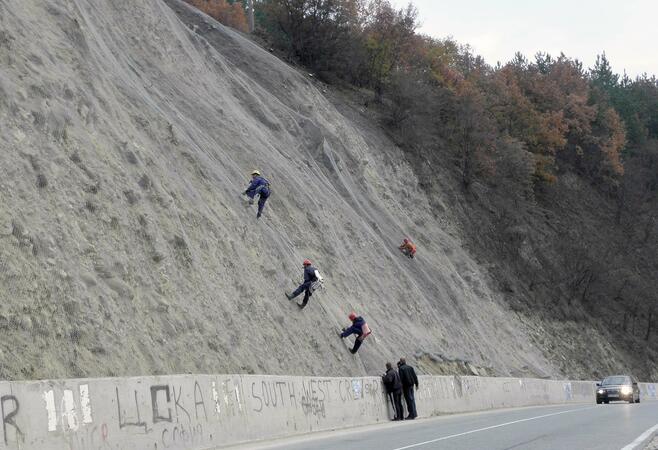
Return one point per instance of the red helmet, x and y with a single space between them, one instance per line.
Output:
352 316
306 262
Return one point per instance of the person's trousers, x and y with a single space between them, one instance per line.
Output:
306 289
261 203
410 400
357 344
263 194
396 399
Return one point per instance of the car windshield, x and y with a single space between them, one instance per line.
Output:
615 380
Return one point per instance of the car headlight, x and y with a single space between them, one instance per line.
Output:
601 391
626 390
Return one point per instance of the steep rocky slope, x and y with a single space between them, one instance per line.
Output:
126 136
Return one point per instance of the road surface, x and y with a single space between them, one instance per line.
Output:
599 427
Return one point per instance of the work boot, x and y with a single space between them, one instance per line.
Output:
290 297
301 306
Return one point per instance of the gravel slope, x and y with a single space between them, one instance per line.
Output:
127 132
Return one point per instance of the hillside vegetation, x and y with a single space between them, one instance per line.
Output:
550 168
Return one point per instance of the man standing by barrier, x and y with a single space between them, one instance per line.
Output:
393 387
409 380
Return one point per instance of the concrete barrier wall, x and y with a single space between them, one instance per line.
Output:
440 395
204 411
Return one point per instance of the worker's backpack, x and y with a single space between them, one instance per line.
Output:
317 285
365 332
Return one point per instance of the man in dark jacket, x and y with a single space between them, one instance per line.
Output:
393 387
311 276
359 327
409 380
258 186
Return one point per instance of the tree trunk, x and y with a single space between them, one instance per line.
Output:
649 325
588 284
621 203
467 169
250 15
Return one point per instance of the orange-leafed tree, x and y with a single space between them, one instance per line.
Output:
227 13
520 115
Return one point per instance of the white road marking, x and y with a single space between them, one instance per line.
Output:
491 428
644 436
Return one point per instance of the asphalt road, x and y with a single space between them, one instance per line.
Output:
612 426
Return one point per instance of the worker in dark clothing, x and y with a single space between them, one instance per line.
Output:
258 186
409 380
311 279
393 387
360 328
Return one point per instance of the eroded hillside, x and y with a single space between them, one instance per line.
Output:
126 137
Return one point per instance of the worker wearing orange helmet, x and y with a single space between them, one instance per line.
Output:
408 248
360 328
312 281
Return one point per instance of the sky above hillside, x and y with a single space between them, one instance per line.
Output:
625 30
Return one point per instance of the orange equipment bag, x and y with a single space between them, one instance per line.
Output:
366 331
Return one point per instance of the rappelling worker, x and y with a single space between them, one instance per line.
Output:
312 281
258 186
360 328
408 248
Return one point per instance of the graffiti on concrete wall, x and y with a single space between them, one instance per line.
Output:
206 411
182 413
273 394
11 432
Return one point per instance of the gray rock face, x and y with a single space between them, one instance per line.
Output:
127 132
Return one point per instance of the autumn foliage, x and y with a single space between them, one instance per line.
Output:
536 143
549 112
231 14
438 91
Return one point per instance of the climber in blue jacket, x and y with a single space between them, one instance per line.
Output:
360 328
261 187
312 281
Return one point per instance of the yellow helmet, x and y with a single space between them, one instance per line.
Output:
255 172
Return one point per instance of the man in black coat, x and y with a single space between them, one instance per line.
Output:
408 379
393 387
